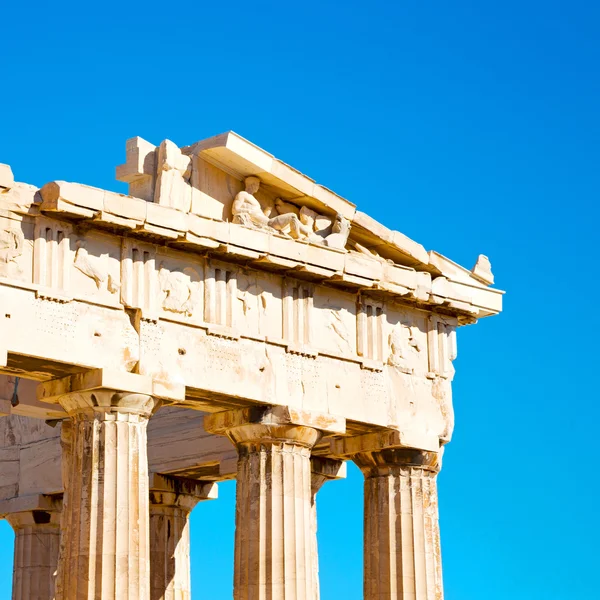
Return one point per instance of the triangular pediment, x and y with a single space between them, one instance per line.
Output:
232 154
227 197
239 157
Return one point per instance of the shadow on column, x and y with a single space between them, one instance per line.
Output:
171 502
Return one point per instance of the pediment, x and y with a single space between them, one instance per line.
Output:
227 197
216 169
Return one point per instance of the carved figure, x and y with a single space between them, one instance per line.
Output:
254 301
360 249
94 268
340 329
283 207
247 296
442 392
11 247
402 341
315 227
19 198
320 224
181 293
248 211
174 169
340 232
452 352
483 270
299 223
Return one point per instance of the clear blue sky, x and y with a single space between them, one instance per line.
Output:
472 127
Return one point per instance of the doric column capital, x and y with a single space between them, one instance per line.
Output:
324 469
401 514
32 511
102 403
264 425
274 526
401 524
389 460
104 441
33 518
171 502
101 392
379 451
177 492
36 523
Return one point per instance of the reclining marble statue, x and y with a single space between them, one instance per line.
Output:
228 318
298 222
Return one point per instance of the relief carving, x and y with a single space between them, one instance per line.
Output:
95 268
19 199
248 211
451 354
181 290
443 394
11 247
360 249
340 232
482 270
253 299
404 346
320 224
342 335
299 223
173 179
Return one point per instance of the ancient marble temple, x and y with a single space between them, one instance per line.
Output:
229 318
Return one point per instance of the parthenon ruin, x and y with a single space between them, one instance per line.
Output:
228 319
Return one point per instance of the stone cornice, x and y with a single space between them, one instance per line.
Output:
456 293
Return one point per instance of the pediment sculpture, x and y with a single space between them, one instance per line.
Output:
216 323
299 223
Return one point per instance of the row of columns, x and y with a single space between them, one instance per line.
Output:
38 537
112 510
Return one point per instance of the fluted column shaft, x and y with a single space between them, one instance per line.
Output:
402 557
169 551
171 502
66 442
105 546
273 516
37 537
273 537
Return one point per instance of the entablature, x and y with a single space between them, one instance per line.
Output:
230 279
63 215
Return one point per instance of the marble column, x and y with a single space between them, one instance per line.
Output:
273 538
105 550
37 537
402 558
322 470
171 502
66 441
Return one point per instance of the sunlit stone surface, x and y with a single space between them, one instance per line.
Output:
230 318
